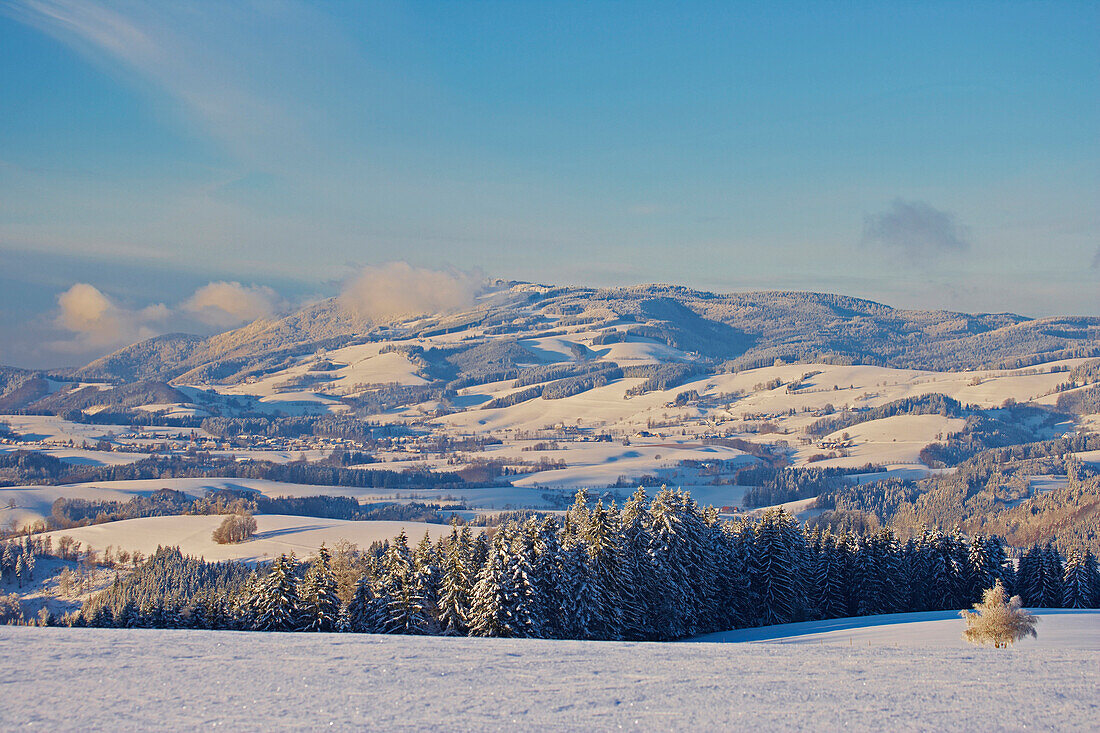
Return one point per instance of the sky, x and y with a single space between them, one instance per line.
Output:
194 165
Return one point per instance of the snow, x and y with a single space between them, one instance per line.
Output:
144 679
601 464
26 504
891 440
355 365
50 429
81 457
1059 629
275 534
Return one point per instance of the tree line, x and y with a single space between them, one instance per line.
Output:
657 569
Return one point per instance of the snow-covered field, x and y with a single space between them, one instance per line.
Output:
275 534
182 680
1060 628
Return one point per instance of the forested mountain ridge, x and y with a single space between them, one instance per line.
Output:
738 330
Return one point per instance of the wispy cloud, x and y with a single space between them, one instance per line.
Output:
916 229
197 54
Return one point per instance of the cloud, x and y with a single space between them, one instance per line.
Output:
202 55
917 229
1096 260
397 289
225 304
98 322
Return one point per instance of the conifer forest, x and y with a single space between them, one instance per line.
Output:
657 569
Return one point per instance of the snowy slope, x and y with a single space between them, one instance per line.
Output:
181 680
275 534
1058 628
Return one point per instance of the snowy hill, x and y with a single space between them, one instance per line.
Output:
275 535
309 681
748 329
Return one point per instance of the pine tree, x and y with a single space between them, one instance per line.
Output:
776 568
401 591
488 604
1082 580
637 542
366 613
454 602
601 537
731 578
319 606
829 578
524 606
21 570
1029 576
894 593
868 573
580 603
426 579
1053 573
275 605
550 577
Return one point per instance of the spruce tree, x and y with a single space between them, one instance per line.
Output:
637 543
401 591
319 605
366 613
550 577
275 604
523 602
1029 577
454 601
1053 573
776 567
601 537
489 603
581 601
1082 580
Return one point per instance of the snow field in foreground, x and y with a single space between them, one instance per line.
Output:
177 680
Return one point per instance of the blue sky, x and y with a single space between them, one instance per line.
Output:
923 154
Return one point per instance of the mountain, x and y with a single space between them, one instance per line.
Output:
730 331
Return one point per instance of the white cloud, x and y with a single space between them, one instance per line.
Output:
98 322
225 304
397 289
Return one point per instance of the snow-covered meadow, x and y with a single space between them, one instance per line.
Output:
141 679
276 534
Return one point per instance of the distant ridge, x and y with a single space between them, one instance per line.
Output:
728 331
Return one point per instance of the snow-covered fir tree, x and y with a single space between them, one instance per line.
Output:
1081 584
454 597
489 601
319 606
402 591
275 603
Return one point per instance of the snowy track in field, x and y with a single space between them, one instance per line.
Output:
184 680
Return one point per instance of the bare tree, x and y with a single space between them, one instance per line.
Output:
998 621
235 528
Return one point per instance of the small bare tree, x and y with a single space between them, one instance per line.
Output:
998 621
235 528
